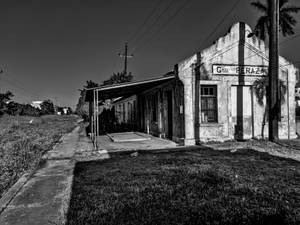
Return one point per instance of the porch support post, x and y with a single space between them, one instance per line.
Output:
185 74
94 118
97 120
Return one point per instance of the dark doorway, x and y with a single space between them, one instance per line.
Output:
170 114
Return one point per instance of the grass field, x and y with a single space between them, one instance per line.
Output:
193 187
23 141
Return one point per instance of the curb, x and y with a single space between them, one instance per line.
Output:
153 151
61 139
13 191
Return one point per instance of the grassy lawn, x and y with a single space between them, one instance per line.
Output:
23 141
193 187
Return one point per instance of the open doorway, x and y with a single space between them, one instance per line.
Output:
169 114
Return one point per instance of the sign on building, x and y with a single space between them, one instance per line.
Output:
245 70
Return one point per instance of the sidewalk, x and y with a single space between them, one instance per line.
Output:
44 198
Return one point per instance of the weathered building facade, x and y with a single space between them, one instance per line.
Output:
216 94
222 92
161 110
125 110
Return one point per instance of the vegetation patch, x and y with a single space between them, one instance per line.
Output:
23 141
196 187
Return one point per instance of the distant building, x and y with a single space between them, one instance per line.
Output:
36 104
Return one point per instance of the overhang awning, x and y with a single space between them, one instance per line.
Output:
128 88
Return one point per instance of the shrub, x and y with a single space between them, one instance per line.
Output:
47 108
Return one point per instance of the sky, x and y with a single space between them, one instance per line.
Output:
50 48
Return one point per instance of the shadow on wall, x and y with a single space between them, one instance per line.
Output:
108 123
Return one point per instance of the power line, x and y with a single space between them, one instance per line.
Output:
140 37
182 6
133 37
282 42
220 23
20 87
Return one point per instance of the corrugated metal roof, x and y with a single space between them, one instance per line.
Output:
128 88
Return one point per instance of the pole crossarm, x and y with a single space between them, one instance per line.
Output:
125 56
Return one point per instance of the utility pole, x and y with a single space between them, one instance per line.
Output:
125 56
1 71
274 103
56 104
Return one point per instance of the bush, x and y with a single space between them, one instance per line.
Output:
14 108
47 108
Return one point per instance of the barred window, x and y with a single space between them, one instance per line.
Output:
209 109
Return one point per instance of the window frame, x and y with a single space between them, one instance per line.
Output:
209 92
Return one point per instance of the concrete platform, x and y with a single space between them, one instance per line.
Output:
128 137
141 142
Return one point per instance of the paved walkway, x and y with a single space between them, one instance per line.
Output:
44 198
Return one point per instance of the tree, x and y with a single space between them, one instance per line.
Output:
4 99
47 107
14 108
286 21
91 84
260 90
117 78
82 108
277 17
28 110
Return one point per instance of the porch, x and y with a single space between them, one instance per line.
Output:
139 106
126 141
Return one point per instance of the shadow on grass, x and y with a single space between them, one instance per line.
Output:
191 187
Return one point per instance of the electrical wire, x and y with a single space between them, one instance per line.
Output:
143 34
162 26
141 27
20 87
219 24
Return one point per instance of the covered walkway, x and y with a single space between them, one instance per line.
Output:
95 95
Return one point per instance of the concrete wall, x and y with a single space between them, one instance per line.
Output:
235 48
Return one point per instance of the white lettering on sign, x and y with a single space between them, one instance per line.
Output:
240 70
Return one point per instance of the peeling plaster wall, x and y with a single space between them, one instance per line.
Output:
235 48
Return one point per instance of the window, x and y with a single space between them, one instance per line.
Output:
209 113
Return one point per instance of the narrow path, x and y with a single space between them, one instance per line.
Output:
44 199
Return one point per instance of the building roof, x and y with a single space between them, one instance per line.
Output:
128 88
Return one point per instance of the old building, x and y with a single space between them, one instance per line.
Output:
224 75
215 94
125 110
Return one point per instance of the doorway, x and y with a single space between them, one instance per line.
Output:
241 112
169 114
